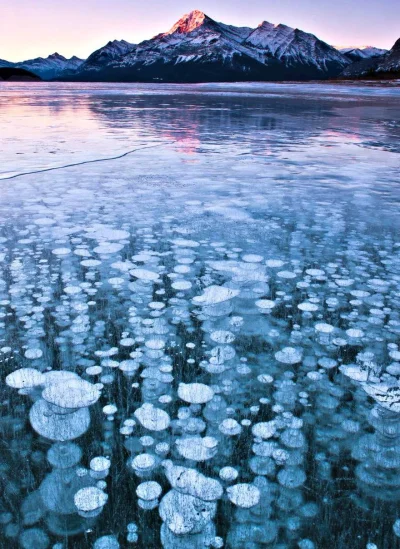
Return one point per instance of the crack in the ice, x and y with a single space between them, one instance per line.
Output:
85 162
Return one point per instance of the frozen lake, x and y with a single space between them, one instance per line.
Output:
199 316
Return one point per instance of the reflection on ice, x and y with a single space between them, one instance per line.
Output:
204 353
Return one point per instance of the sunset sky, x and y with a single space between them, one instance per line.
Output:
32 28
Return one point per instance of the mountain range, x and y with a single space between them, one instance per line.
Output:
384 66
199 49
355 53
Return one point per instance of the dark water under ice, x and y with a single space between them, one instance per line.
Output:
199 316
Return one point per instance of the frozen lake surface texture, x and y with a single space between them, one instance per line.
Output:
199 316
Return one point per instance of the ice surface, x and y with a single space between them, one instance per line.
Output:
230 300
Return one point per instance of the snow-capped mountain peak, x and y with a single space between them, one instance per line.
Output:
189 22
357 53
56 55
294 46
269 37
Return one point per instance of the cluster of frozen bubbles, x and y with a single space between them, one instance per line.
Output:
191 394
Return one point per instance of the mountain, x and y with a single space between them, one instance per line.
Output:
199 49
362 52
53 66
384 66
13 74
294 47
107 54
4 63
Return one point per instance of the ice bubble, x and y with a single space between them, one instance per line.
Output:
222 353
94 370
72 290
293 438
145 275
72 393
192 482
252 258
143 463
90 263
185 514
127 342
324 328
181 285
110 409
152 418
308 307
355 333
215 294
230 427
106 353
182 243
129 367
196 448
222 336
63 455
244 495
287 275
109 363
395 355
155 344
264 430
61 427
99 466
388 396
102 232
44 221
61 251
90 499
327 363
265 304
265 378
106 248
195 393
149 491
315 272
354 372
33 354
58 377
291 477
25 378
344 282
274 263
289 355
106 542
228 474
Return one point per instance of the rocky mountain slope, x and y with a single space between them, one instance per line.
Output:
384 66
